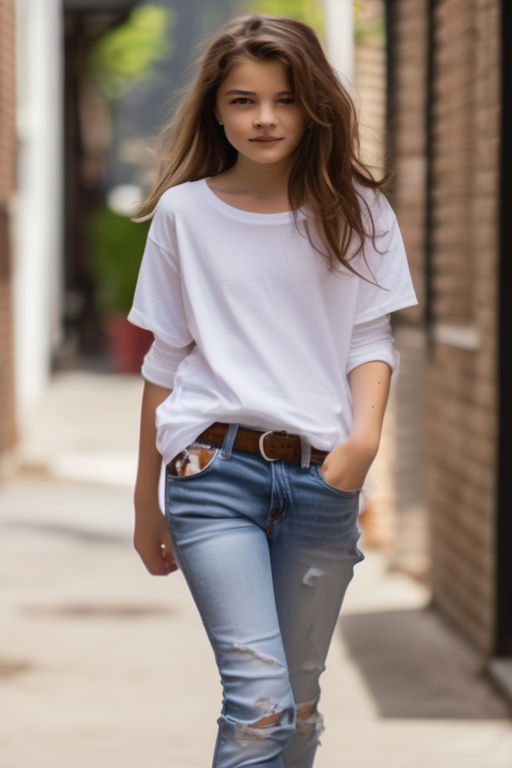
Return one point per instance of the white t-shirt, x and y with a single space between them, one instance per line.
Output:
254 326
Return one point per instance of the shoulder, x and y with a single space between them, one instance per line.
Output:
179 197
174 204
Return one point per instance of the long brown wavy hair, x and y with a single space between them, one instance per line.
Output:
326 162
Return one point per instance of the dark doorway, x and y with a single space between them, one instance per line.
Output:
503 637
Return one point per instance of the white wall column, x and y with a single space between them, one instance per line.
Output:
38 206
339 34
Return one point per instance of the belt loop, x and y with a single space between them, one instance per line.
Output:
305 452
229 439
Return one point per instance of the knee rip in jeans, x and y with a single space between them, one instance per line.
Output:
261 728
308 718
264 725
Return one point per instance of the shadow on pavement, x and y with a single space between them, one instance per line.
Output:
416 666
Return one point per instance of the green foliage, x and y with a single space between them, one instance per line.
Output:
365 26
127 53
309 11
116 245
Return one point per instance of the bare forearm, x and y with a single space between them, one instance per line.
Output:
348 462
151 536
149 462
369 384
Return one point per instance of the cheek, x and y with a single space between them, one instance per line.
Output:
240 121
236 124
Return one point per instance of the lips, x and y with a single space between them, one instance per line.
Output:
266 139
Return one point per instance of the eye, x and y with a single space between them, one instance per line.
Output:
287 100
240 100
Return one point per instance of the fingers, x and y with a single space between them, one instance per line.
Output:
159 563
158 558
168 561
152 541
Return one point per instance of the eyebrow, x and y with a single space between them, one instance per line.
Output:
239 91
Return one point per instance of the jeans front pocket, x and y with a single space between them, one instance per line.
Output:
194 461
332 488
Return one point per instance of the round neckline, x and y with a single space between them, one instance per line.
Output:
242 214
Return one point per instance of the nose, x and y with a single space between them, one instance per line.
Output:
265 117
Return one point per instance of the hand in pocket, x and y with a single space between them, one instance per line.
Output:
346 466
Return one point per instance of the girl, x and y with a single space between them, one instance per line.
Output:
272 263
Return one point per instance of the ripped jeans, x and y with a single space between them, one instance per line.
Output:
267 550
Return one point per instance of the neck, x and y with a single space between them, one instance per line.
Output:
261 179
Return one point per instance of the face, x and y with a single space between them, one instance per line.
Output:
258 111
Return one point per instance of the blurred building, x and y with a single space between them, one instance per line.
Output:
7 193
449 116
52 167
33 74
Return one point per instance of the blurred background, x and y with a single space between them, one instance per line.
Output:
85 86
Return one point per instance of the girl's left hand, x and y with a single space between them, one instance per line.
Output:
347 465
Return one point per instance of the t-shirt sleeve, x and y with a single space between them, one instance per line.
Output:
162 361
373 341
158 300
390 285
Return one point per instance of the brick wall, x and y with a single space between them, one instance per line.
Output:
7 186
407 50
459 403
377 522
395 517
462 382
370 80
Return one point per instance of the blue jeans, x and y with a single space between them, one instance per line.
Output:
268 550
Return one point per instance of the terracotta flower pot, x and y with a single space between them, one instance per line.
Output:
127 344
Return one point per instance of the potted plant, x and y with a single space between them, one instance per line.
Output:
116 246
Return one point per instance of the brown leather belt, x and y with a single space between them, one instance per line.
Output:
271 445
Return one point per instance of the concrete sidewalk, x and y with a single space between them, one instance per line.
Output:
102 665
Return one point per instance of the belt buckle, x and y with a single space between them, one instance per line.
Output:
261 442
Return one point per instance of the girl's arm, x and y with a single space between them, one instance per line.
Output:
347 464
151 536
